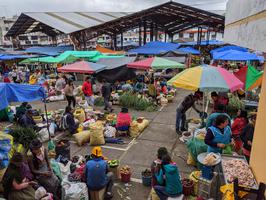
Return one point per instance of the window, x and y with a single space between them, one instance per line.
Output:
7 28
34 37
181 35
191 35
23 37
27 42
34 42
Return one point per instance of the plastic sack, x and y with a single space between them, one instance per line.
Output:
134 129
194 176
153 195
79 114
110 132
56 168
82 137
143 125
228 149
5 146
195 147
96 137
43 135
65 169
84 104
52 128
74 191
190 160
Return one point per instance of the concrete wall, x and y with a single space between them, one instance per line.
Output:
245 23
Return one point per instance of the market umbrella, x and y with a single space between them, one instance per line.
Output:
82 67
251 77
234 55
155 63
206 78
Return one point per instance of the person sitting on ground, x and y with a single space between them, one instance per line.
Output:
218 135
27 121
97 173
247 136
69 121
220 111
41 168
156 164
187 103
238 125
123 120
169 179
16 185
21 110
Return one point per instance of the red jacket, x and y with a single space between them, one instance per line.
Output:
87 89
123 119
238 125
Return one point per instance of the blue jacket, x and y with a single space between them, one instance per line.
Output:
170 174
96 177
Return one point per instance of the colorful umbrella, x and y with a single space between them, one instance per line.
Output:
206 78
155 63
251 77
82 67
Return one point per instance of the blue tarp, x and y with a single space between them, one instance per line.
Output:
235 55
204 43
13 57
229 47
13 92
155 48
50 51
189 50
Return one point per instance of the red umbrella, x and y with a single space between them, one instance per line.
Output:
82 67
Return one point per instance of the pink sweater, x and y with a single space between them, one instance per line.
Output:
123 119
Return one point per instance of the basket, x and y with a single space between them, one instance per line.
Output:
37 119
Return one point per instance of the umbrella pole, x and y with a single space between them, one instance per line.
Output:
46 115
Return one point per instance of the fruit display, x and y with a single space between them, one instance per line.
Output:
125 170
238 168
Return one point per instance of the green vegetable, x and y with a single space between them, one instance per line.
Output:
99 101
23 136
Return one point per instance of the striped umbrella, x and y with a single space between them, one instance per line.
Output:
155 63
206 78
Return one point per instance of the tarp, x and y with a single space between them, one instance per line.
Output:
189 50
204 43
13 92
14 57
117 74
155 63
229 47
155 48
112 63
82 67
98 57
251 77
50 51
109 51
235 55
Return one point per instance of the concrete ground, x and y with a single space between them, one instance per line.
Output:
140 152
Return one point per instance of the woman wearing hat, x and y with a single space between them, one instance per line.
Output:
16 185
41 168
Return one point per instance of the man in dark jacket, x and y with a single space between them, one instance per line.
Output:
106 93
183 107
27 121
69 120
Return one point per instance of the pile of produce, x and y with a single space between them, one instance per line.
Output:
99 101
237 168
113 163
125 170
146 173
136 101
23 136
234 105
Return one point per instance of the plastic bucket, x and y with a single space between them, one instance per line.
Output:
146 180
188 187
125 178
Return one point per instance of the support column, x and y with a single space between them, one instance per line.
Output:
145 33
165 35
156 32
208 36
140 38
151 33
122 41
115 42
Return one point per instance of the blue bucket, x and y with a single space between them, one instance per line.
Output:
146 180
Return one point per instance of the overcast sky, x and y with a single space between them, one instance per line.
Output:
11 7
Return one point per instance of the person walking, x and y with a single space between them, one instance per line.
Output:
106 93
87 90
69 93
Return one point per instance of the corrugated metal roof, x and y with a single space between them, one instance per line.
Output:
64 22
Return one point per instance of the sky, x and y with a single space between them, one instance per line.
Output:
12 7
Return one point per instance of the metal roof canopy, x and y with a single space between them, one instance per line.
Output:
55 23
170 17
